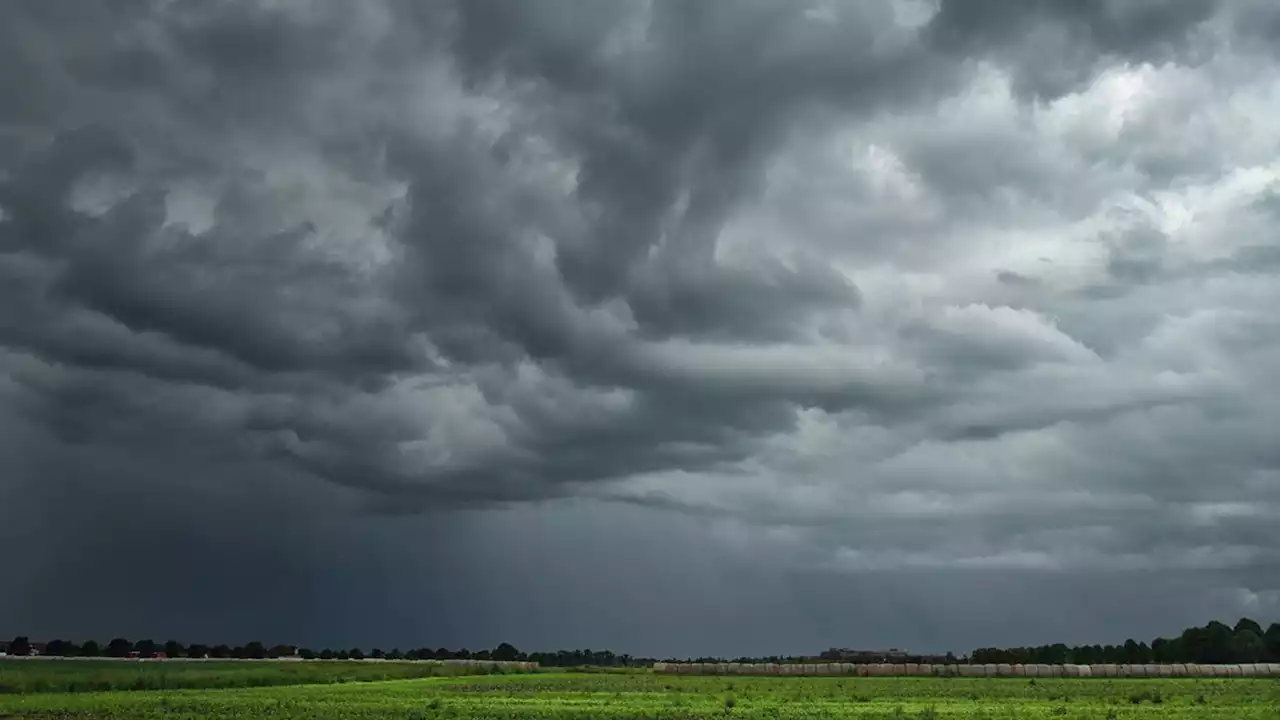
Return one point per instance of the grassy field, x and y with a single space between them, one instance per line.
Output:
63 676
643 695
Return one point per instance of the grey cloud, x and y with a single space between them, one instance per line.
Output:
213 304
1137 256
1009 277
670 136
757 304
815 289
1057 46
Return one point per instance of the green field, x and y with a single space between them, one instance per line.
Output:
62 676
644 695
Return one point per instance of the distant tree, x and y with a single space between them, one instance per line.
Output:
395 654
146 648
344 655
1057 654
90 648
1219 640
58 648
1248 624
254 651
1271 638
327 654
506 652
197 650
279 651
307 653
119 647
1131 651
356 654
1247 647
174 649
220 651
1159 650
442 654
20 645
1144 653
483 655
377 654
1088 654
1194 645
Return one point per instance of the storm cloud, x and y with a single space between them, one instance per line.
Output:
645 324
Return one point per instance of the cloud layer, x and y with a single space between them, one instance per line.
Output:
838 289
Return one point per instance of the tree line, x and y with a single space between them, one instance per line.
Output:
123 647
1215 643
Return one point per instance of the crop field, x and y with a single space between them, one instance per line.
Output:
71 676
639 694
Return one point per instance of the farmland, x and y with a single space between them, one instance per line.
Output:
71 676
640 694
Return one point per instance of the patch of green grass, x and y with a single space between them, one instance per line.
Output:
59 676
644 696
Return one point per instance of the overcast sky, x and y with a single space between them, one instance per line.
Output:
669 327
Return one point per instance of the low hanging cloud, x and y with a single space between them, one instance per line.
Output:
902 285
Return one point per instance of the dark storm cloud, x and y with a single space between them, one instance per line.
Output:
1053 47
844 288
668 139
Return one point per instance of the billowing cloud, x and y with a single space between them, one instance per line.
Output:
919 290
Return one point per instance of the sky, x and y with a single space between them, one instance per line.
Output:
669 327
